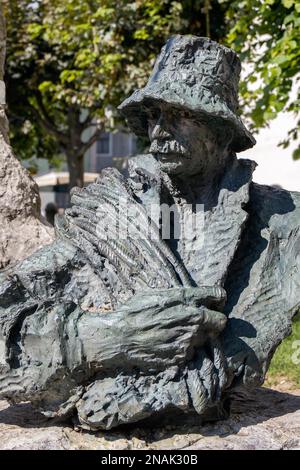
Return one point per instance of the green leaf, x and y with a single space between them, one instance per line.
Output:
296 154
141 34
287 3
104 12
281 59
46 86
34 30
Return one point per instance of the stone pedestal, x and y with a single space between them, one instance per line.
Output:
264 419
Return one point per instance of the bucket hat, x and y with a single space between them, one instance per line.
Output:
199 76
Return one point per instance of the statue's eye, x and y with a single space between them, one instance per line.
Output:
185 115
153 114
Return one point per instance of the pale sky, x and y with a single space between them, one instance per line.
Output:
275 164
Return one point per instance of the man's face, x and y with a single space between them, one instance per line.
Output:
181 145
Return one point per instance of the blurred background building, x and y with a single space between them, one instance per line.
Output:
112 149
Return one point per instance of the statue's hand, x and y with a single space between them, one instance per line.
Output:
208 296
154 330
189 298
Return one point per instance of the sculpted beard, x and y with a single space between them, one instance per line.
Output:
168 147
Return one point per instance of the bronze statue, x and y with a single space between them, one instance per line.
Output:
123 318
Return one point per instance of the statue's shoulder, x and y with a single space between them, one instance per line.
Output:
275 207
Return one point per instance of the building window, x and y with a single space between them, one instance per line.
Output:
103 147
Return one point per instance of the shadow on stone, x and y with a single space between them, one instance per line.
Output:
23 415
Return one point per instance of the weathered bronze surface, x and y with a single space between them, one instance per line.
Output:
118 321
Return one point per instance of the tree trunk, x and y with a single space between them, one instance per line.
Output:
76 169
21 230
74 153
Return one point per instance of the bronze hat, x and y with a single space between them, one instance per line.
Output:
195 74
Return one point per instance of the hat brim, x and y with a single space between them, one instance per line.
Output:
213 111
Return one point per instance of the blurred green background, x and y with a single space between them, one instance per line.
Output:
282 366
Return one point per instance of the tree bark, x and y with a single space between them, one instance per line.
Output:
21 229
76 169
74 150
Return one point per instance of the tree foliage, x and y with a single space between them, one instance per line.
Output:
267 36
70 63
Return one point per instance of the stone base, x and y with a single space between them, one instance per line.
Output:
263 419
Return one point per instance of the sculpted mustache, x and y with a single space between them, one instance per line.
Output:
169 146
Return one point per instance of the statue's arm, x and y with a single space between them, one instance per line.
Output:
154 330
263 285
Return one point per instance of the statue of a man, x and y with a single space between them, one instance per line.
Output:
136 312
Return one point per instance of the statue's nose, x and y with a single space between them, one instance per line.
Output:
159 130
